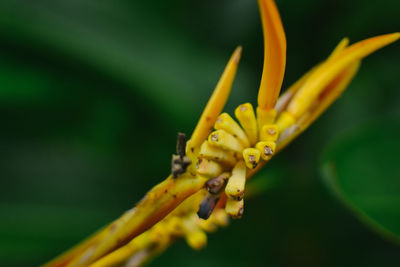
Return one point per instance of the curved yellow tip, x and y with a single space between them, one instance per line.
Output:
330 69
339 48
274 54
217 101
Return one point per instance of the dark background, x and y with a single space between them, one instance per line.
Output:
92 94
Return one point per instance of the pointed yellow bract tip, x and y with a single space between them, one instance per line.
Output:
340 47
331 68
217 101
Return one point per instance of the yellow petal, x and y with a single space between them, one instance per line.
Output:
217 101
274 54
330 69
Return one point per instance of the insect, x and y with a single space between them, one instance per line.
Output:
210 170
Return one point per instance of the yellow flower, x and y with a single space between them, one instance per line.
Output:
209 172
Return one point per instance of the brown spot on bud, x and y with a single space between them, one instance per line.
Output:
271 131
214 137
268 151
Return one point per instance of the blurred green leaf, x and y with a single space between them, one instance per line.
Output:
32 230
127 42
363 170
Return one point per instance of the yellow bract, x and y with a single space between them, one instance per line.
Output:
330 69
274 55
217 101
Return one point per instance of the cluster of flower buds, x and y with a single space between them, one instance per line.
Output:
229 153
234 150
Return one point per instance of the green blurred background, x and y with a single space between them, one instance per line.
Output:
92 94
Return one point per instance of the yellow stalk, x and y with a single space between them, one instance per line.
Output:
74 252
157 203
245 114
156 239
216 103
122 254
265 117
